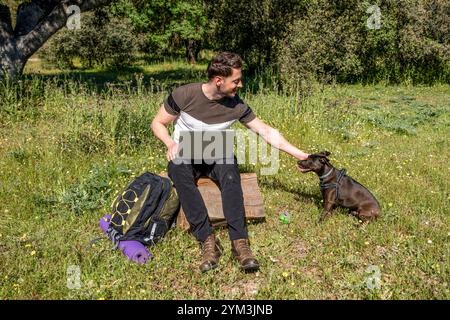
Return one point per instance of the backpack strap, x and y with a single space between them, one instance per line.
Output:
114 236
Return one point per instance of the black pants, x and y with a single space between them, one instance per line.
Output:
184 178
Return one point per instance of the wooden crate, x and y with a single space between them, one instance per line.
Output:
253 202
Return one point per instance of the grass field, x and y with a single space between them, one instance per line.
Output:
66 148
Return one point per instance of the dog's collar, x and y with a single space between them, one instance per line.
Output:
326 174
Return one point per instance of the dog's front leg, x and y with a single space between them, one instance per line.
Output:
328 205
325 213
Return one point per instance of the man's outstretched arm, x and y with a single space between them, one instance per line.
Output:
274 138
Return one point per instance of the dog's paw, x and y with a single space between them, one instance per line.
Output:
323 217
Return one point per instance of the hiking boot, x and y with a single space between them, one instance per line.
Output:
211 252
241 251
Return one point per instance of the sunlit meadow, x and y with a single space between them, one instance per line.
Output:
68 145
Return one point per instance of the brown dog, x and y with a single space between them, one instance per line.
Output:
339 189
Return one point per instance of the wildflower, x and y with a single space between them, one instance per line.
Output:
429 241
285 274
33 252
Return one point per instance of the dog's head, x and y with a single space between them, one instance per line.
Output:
314 162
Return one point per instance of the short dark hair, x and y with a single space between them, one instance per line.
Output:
223 63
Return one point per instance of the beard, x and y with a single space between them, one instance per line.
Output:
230 93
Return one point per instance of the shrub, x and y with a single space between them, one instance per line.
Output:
103 40
92 191
332 41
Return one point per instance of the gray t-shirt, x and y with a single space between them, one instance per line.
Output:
198 113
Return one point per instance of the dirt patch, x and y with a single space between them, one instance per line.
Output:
312 272
300 248
242 289
3 248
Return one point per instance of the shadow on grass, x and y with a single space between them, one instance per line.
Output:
153 80
299 194
152 75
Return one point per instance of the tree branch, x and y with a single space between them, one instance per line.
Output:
29 14
51 23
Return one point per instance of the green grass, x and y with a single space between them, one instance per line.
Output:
156 76
66 148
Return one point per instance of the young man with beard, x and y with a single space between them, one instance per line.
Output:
214 106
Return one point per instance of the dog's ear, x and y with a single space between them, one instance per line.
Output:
324 156
324 153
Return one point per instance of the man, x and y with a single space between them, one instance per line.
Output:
214 105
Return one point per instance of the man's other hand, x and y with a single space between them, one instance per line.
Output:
172 150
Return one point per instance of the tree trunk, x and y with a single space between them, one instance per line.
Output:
192 50
11 62
36 22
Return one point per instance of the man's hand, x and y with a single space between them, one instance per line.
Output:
302 156
172 150
159 127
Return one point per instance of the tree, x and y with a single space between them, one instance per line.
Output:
36 22
171 26
103 40
252 27
189 24
332 40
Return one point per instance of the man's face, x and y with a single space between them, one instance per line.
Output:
228 86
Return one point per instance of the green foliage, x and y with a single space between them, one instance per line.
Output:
332 41
93 190
169 26
251 28
297 42
21 98
132 128
404 118
103 40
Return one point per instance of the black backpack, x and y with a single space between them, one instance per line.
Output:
144 211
